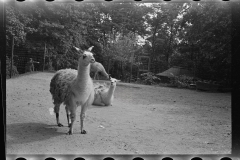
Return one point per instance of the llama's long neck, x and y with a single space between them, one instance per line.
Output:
105 73
83 73
111 90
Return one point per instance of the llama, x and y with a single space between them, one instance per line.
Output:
104 96
96 68
74 88
59 88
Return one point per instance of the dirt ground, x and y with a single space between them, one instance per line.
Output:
143 120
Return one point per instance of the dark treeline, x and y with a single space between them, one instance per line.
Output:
193 35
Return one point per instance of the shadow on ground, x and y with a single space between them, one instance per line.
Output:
18 133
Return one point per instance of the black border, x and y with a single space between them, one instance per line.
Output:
235 6
3 71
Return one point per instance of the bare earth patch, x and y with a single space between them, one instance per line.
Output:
142 120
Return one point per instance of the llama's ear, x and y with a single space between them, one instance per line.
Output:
109 77
118 80
90 49
76 48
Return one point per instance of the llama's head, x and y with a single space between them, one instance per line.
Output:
86 57
99 68
113 81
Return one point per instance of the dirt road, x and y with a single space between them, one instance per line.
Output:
142 120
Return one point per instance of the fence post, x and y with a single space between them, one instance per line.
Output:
44 56
131 59
12 56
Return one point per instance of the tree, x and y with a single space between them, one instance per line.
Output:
17 23
205 38
194 35
163 24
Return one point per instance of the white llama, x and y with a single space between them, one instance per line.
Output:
75 89
104 96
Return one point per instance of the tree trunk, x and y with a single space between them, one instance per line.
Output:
153 43
169 46
109 61
121 70
44 56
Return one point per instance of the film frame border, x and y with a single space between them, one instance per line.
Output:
234 155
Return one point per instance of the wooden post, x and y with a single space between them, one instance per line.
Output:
12 56
137 73
44 56
132 56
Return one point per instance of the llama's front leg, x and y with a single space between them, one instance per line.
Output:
82 116
56 110
84 109
97 76
71 108
73 117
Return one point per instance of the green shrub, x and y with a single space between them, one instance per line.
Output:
149 78
182 81
8 68
49 66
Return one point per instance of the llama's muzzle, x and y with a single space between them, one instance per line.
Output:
92 60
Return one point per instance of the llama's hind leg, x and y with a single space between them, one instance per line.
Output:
56 110
68 116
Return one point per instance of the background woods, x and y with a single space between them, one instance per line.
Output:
194 35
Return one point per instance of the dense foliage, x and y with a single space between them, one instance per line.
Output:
183 81
193 35
149 78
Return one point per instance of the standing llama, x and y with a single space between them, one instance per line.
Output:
74 88
104 96
96 68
